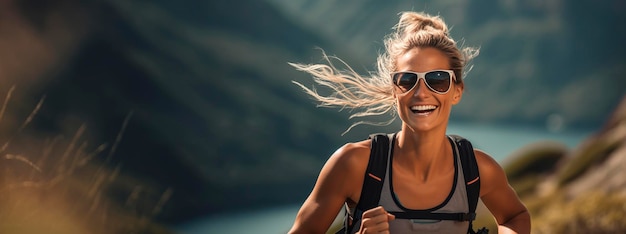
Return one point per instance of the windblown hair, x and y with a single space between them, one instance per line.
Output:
373 95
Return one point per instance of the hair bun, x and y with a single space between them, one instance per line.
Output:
412 22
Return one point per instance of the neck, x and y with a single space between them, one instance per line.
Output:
421 153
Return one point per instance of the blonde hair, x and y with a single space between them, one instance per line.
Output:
373 95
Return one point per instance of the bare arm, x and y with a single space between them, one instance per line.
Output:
339 180
500 198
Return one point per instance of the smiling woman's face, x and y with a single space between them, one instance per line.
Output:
420 108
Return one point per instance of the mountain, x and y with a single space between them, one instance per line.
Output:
186 109
540 63
190 99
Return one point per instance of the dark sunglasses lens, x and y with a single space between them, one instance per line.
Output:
405 81
438 80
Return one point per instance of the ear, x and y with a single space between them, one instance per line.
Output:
458 94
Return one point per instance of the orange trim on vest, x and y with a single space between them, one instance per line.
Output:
473 181
375 177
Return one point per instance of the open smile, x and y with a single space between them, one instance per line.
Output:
423 109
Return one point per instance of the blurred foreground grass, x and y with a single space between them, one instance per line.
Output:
63 185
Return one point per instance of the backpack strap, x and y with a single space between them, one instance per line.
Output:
372 181
375 173
470 172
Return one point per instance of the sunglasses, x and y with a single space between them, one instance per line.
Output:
438 81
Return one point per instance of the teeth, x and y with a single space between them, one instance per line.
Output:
423 107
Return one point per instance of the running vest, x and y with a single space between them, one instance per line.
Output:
454 215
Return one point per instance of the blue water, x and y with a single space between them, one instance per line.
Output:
498 141
502 141
268 221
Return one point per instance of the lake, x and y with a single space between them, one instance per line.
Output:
498 141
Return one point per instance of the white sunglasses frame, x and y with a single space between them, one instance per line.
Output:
422 75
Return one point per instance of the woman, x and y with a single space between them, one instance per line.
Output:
420 78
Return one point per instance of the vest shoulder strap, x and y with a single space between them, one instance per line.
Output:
470 170
372 181
375 173
471 174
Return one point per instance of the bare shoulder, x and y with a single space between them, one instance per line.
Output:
352 156
491 173
354 149
351 159
485 161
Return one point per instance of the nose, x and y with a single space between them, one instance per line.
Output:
420 89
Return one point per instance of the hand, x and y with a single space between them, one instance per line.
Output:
375 220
